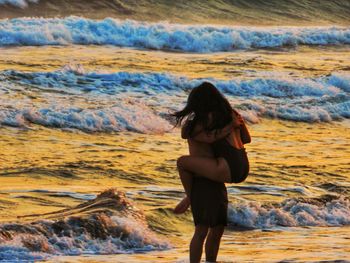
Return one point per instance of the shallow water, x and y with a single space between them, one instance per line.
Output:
293 245
44 170
303 61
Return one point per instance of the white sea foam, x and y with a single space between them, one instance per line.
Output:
122 101
18 254
19 3
292 212
269 189
162 36
140 239
114 83
158 83
110 224
121 117
340 80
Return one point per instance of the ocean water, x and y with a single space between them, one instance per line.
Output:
88 150
17 3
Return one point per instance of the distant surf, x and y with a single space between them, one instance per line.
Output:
162 36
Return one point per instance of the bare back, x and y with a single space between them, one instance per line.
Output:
197 148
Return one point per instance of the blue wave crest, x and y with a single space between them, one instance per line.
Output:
123 100
161 36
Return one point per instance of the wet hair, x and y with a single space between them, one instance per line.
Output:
202 100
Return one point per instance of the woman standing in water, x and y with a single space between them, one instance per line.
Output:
216 135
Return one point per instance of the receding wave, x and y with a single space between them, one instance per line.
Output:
162 36
327 210
108 224
124 116
122 101
157 83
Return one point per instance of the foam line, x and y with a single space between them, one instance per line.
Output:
294 212
161 36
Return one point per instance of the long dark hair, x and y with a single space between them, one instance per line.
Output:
202 100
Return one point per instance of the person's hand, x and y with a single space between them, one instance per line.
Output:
238 120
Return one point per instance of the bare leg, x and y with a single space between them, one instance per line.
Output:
211 168
196 246
215 169
213 243
186 179
182 206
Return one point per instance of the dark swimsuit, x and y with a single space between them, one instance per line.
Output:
209 198
237 159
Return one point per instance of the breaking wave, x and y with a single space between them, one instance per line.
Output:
108 224
327 210
161 36
122 101
124 116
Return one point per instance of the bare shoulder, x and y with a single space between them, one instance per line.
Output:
185 130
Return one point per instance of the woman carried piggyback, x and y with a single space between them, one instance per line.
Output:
216 135
210 119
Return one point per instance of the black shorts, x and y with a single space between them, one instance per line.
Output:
209 202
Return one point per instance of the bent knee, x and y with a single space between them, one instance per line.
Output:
180 163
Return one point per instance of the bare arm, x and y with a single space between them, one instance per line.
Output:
207 137
245 136
211 137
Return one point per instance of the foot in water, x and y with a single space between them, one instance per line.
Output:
182 206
